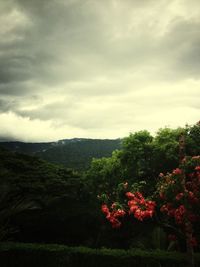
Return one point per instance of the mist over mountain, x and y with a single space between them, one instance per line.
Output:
76 153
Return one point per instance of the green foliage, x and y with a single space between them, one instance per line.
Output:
142 157
33 255
193 140
166 149
31 177
71 153
136 156
104 173
28 184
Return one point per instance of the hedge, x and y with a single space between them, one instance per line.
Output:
43 255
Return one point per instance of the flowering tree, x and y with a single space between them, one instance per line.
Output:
176 202
179 200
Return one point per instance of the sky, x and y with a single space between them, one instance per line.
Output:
97 69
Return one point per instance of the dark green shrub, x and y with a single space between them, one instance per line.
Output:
37 255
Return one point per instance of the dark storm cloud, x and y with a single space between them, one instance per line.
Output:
69 40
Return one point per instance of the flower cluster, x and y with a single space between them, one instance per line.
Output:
113 214
179 193
178 198
179 214
139 207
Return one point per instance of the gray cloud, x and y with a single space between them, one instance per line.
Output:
97 66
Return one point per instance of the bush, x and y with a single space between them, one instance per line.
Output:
37 255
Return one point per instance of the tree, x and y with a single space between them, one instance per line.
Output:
166 150
180 200
104 173
136 156
177 197
193 139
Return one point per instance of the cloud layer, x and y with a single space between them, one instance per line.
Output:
97 69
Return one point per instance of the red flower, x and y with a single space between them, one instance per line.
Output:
197 168
171 212
115 222
179 196
119 213
140 207
192 198
139 195
162 196
149 213
151 204
179 214
113 205
182 210
133 208
105 209
177 171
130 195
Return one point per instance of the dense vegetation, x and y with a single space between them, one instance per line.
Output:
47 203
74 153
143 157
41 201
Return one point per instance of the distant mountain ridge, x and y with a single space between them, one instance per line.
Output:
75 153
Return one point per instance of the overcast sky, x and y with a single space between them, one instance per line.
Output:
98 69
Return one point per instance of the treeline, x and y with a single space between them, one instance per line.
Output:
47 203
142 157
76 153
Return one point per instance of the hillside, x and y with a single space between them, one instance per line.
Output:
42 201
74 153
30 175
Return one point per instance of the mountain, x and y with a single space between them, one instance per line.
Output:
75 153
